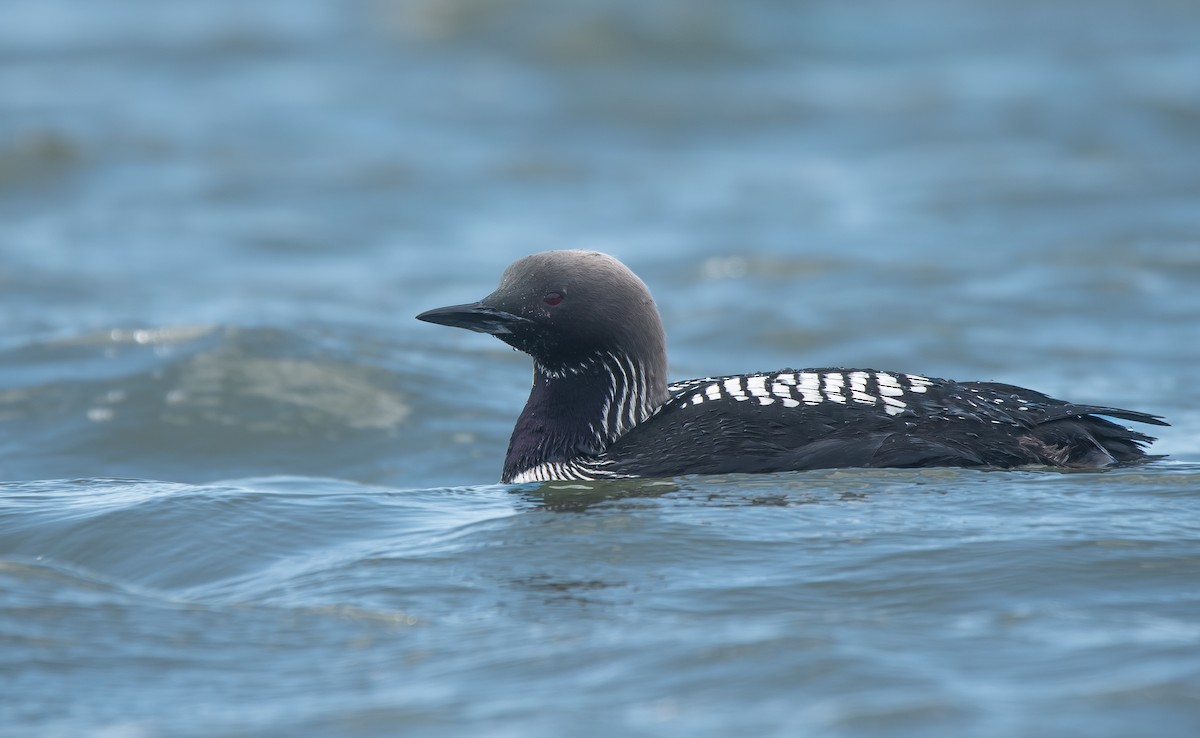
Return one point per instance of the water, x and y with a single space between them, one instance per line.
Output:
836 603
250 495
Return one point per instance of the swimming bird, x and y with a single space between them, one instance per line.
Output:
601 406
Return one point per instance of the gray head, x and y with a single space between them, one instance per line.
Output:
564 308
598 349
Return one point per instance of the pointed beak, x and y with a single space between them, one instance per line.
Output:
476 317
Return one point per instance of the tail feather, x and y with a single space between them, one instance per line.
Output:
1087 441
1111 412
1056 409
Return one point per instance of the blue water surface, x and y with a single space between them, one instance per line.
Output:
246 494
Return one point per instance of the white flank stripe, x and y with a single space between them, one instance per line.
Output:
786 378
733 386
810 388
789 402
917 383
757 386
889 386
833 387
858 381
713 391
697 398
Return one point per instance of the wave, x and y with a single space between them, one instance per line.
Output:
199 403
241 541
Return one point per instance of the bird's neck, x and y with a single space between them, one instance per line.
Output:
580 409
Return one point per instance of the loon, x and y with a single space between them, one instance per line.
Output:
601 406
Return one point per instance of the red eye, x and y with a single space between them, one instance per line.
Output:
552 298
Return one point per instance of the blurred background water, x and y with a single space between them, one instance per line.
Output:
279 514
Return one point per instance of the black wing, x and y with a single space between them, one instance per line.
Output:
826 418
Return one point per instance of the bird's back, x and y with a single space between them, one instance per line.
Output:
826 418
